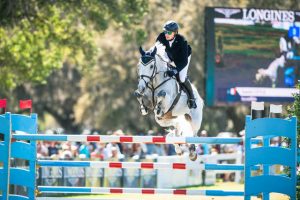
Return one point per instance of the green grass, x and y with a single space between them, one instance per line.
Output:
218 186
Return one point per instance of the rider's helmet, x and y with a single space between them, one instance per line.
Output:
171 26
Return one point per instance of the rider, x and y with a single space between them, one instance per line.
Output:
178 51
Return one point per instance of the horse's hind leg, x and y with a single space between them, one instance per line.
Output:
192 148
174 133
196 118
178 149
193 153
196 121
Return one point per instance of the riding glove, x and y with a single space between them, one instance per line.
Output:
171 72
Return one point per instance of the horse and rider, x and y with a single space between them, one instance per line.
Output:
179 52
164 86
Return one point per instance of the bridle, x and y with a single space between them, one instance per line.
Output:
149 84
154 72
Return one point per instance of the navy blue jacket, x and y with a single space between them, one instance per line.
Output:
179 52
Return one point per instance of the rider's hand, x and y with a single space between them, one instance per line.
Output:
171 73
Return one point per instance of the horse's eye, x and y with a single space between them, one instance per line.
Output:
151 66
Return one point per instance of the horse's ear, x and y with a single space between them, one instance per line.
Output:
142 52
153 52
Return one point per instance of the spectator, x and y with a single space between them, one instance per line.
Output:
52 149
170 149
84 150
214 151
137 151
203 149
42 150
159 150
74 150
151 147
108 151
98 153
114 153
119 132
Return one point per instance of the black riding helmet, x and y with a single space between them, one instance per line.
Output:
171 26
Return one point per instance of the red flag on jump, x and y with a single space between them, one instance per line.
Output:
25 104
3 104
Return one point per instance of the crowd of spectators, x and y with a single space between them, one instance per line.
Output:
134 151
101 151
120 151
126 151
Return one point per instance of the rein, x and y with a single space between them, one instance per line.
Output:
149 84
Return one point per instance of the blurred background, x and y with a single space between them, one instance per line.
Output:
77 60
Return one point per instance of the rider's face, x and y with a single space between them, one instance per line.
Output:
169 35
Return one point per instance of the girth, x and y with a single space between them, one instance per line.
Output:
169 112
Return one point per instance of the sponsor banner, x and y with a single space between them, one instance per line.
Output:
256 14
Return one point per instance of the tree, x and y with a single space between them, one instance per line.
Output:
47 46
294 110
38 36
57 97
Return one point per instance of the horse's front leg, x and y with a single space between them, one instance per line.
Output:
160 103
139 97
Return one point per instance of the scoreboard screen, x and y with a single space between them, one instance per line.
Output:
251 55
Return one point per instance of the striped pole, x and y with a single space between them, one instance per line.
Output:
139 165
129 139
104 190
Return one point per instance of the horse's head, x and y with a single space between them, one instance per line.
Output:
146 69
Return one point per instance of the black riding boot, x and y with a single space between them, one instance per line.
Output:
192 101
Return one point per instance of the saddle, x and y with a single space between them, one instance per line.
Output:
186 86
179 88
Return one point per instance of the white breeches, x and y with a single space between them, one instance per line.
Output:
184 71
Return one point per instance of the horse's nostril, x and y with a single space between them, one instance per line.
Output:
138 94
142 89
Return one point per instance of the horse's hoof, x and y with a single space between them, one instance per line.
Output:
178 150
193 156
143 110
170 134
192 148
137 94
